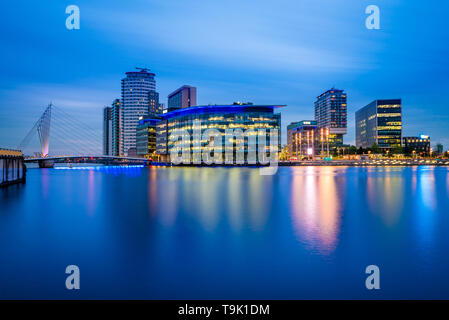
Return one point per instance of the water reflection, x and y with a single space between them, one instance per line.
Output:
209 197
238 197
259 199
316 207
427 188
425 208
152 190
91 193
447 182
385 194
45 182
183 233
235 199
168 192
128 170
414 179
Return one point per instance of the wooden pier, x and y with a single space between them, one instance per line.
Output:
12 168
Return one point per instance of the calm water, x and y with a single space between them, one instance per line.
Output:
212 233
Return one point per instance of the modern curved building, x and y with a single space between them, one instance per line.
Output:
134 104
236 124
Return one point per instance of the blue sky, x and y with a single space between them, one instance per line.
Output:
267 52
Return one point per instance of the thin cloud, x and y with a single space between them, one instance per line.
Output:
231 37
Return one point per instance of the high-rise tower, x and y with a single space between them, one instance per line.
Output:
116 125
380 122
136 88
107 131
331 113
183 97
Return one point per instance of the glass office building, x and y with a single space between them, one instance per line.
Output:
417 145
184 97
331 114
221 118
146 137
380 122
155 107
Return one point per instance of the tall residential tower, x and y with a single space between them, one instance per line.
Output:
136 88
107 131
116 128
331 113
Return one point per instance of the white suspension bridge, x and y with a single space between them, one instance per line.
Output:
73 140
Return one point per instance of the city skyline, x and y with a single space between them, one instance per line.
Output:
295 61
225 158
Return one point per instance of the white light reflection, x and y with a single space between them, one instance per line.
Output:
316 207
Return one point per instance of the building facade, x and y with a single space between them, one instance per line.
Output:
331 114
146 137
184 97
116 125
302 138
380 122
305 140
107 131
419 146
243 119
136 87
155 107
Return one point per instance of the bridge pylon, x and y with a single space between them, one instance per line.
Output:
43 130
42 126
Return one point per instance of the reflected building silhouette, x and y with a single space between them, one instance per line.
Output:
91 193
169 193
447 182
152 191
259 201
427 188
414 180
209 197
45 177
385 194
425 210
316 207
235 199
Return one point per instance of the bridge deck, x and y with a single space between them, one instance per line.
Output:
90 158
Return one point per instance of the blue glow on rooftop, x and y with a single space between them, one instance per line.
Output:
220 108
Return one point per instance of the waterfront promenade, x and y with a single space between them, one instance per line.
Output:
304 163
370 162
339 163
